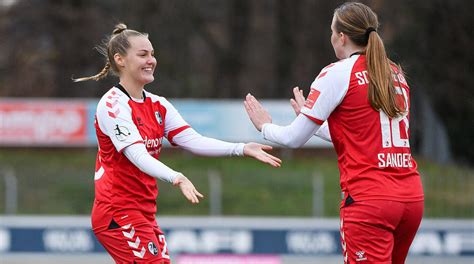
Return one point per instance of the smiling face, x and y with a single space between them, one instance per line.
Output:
139 63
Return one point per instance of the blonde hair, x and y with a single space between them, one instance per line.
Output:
360 24
117 42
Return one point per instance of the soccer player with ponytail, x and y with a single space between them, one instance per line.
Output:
364 98
130 124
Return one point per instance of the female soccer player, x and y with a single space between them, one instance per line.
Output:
365 99
130 126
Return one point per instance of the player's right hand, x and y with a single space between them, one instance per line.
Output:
187 188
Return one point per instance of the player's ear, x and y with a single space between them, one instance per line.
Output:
342 38
119 61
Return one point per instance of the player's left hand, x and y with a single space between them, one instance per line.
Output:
298 102
257 114
257 151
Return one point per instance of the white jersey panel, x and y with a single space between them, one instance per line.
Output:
173 118
328 89
114 117
323 132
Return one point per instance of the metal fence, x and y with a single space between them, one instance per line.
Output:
67 188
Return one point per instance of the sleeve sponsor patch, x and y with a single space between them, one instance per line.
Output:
312 97
121 132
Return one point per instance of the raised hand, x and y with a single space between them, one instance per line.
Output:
257 151
257 114
187 188
298 102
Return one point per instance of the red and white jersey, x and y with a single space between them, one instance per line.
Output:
120 122
373 150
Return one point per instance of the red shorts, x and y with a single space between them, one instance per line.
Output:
379 231
133 238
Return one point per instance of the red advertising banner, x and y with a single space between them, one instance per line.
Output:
43 122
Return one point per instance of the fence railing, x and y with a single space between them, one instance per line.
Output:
11 190
67 189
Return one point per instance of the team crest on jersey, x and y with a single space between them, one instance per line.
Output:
152 248
121 132
158 118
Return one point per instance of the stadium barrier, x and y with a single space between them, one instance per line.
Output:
188 236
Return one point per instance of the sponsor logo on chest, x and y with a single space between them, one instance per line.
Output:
152 142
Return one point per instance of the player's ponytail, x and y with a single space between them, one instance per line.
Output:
360 24
102 74
381 90
117 42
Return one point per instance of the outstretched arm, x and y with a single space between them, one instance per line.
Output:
294 135
180 133
194 142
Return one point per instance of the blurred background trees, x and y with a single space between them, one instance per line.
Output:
225 49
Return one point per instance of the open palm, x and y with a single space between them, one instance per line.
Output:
257 151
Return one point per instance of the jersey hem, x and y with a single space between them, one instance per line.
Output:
387 198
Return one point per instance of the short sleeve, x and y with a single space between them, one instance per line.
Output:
327 92
114 118
174 122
